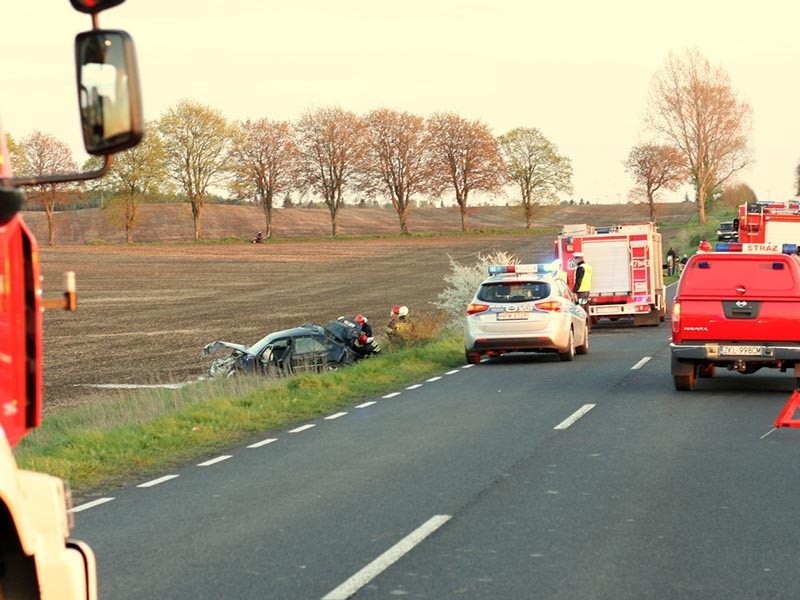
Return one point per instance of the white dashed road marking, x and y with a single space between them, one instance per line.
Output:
335 416
156 481
641 363
214 461
385 560
392 395
366 404
302 428
263 443
414 387
575 416
91 504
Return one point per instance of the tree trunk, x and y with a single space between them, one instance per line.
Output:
197 215
462 205
403 214
528 215
701 205
51 225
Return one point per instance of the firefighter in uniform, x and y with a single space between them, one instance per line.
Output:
583 279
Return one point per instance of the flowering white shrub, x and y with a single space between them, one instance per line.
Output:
463 282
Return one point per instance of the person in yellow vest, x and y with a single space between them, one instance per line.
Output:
583 279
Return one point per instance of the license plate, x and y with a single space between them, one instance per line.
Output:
605 310
512 316
741 350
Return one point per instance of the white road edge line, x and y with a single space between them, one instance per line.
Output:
385 560
214 461
153 482
366 404
91 504
335 416
414 387
453 372
263 443
575 416
302 428
641 363
392 395
432 379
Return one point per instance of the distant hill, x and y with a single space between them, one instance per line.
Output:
173 222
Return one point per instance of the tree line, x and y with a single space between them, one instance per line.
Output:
330 152
696 130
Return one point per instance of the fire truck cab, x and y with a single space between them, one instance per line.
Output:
766 226
37 558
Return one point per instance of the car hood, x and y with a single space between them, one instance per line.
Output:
220 345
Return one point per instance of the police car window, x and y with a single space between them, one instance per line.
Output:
519 291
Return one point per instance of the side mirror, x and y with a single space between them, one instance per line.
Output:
108 90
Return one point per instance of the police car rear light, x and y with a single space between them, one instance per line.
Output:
476 307
548 305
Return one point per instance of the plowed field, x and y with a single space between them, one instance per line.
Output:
145 311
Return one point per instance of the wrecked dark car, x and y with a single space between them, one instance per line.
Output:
297 350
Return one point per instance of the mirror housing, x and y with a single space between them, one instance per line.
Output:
108 90
93 7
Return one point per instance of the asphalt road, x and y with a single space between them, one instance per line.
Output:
522 477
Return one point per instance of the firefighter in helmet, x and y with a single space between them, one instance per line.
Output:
398 322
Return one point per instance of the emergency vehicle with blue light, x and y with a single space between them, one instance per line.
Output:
736 310
525 308
627 273
37 558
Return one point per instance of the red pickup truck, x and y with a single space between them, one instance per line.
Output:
740 311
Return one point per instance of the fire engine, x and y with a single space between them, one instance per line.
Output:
766 226
37 558
627 273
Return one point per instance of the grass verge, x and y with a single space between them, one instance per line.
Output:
110 443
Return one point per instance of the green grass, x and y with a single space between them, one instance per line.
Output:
112 441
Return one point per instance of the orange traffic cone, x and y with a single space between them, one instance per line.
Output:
785 419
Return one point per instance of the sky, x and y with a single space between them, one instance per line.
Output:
578 71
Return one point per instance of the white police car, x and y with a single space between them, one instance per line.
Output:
525 308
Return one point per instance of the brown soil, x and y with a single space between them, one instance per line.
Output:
145 311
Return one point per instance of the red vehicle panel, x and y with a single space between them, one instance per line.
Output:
738 311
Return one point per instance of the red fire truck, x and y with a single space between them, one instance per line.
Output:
766 226
627 273
37 560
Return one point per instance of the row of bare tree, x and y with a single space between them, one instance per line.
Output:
698 132
329 152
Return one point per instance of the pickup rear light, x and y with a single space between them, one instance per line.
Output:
676 317
548 305
476 307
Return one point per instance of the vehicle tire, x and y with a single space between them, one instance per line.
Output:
706 371
584 347
569 354
473 358
685 383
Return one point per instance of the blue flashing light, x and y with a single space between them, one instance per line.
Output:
789 249
728 247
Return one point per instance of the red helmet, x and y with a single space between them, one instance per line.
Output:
395 311
704 246
362 340
361 319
